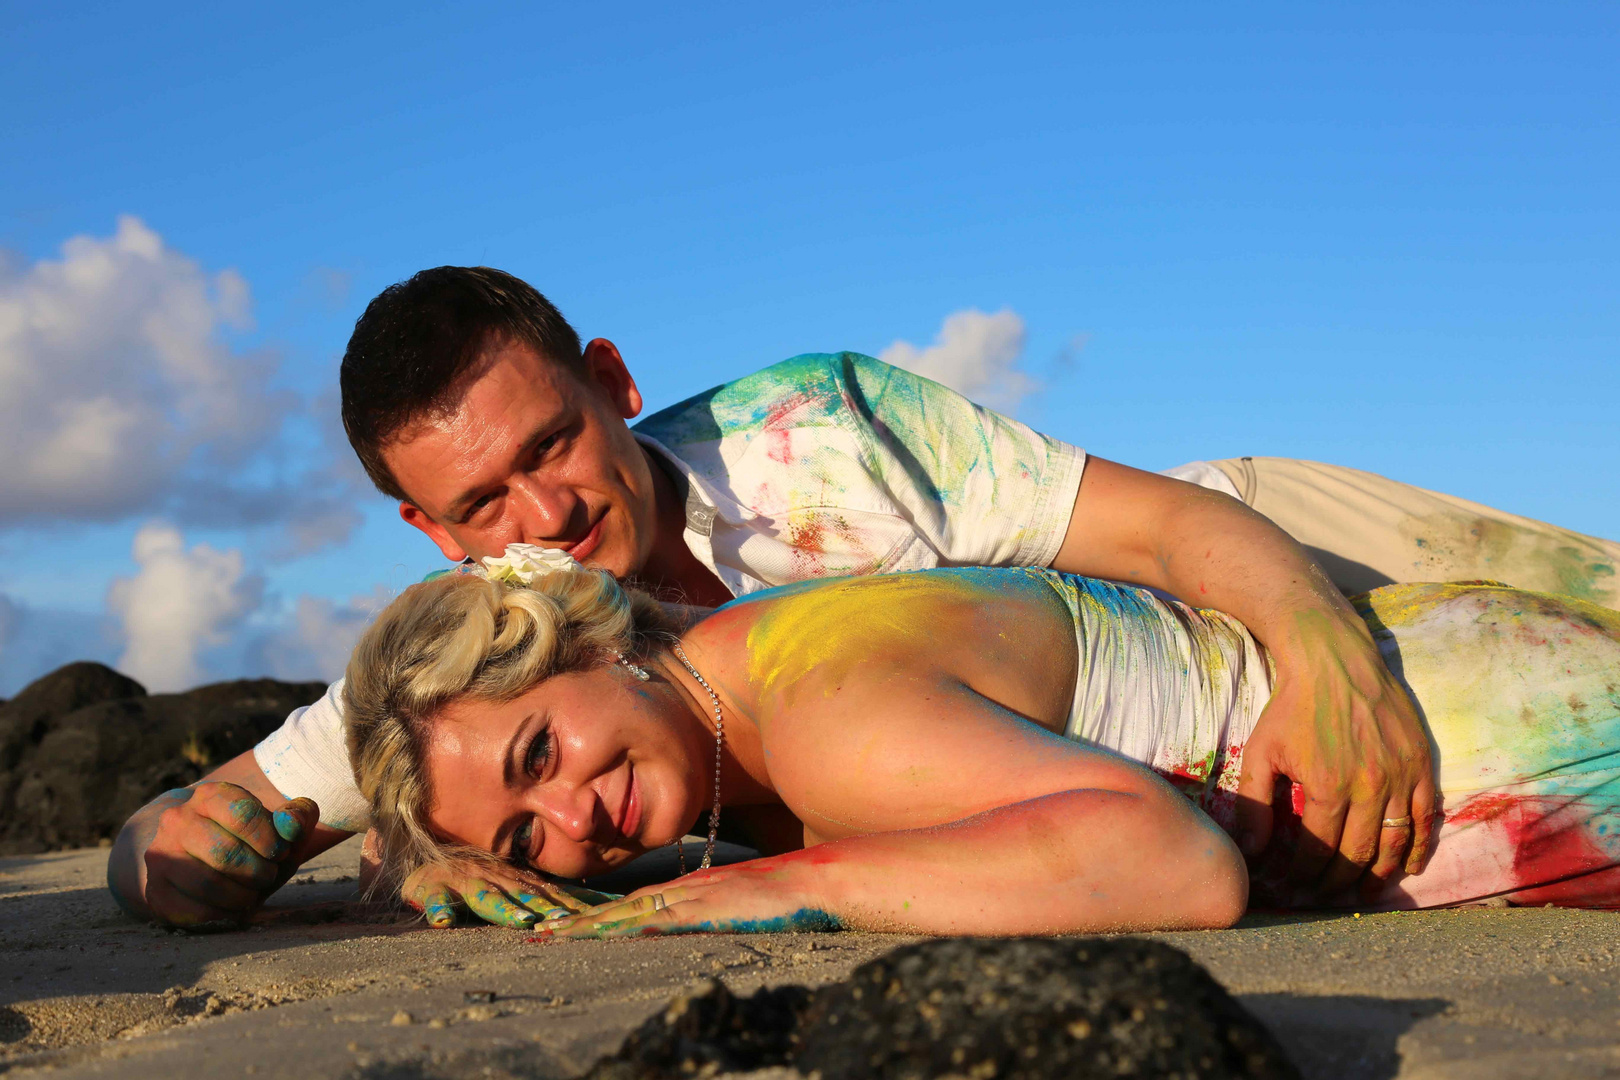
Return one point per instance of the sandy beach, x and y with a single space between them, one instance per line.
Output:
321 986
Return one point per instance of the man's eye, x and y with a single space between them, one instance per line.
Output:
543 447
538 755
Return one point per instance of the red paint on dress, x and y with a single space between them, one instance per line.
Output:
1556 857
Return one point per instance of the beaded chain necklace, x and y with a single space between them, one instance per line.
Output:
719 743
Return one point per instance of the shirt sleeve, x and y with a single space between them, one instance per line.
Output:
308 757
981 488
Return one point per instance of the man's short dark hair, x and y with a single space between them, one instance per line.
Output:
419 344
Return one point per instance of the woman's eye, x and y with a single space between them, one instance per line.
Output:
539 754
520 843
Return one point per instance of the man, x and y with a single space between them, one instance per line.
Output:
469 398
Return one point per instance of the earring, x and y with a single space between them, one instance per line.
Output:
635 669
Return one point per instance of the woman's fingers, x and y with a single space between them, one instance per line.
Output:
591 897
651 914
489 903
633 906
546 905
438 905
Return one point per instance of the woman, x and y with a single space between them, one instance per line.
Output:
955 751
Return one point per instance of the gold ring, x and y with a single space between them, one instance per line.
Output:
659 903
1397 822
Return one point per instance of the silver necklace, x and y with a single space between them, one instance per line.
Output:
719 742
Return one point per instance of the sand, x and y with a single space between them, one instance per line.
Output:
322 987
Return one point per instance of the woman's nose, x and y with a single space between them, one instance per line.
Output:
572 810
545 511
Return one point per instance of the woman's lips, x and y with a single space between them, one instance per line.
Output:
581 549
631 820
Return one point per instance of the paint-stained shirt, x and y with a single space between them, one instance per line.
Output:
835 464
819 466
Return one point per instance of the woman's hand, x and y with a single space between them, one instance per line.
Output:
762 896
503 897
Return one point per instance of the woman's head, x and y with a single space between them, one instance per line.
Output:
492 717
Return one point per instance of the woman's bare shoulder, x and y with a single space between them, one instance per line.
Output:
800 638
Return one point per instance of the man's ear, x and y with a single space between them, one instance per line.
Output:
417 518
604 369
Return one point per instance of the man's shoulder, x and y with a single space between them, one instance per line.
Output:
809 390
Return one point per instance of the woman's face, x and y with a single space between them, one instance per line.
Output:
582 773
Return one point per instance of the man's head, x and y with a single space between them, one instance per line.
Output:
467 396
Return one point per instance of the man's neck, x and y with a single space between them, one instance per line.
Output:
672 573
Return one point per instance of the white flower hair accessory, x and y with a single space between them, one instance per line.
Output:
524 564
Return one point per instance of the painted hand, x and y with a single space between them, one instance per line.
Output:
217 852
503 897
1340 725
762 896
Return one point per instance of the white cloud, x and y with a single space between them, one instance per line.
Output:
974 354
121 398
315 642
115 380
179 603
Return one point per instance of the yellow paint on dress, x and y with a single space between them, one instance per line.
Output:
831 628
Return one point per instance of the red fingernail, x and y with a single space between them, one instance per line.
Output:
539 939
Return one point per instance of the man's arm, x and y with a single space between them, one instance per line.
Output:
216 849
1338 722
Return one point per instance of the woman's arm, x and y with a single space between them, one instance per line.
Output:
1072 861
940 811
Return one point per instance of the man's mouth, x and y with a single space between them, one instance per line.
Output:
581 549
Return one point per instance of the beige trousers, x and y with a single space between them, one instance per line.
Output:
1370 531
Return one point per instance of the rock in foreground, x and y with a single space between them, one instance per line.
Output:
1013 1009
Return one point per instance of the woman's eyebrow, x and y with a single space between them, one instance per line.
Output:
509 756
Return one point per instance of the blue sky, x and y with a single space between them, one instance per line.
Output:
1363 234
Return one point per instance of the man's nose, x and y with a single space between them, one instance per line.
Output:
545 511
571 810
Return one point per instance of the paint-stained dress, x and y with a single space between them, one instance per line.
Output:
1520 692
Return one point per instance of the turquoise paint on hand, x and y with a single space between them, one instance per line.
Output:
287 826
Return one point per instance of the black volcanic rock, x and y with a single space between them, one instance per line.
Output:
1028 1008
1008 1008
707 1030
84 747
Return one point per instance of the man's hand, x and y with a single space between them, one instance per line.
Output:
503 897
215 853
1340 725
1338 722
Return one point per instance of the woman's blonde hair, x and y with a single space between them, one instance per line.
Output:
461 636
